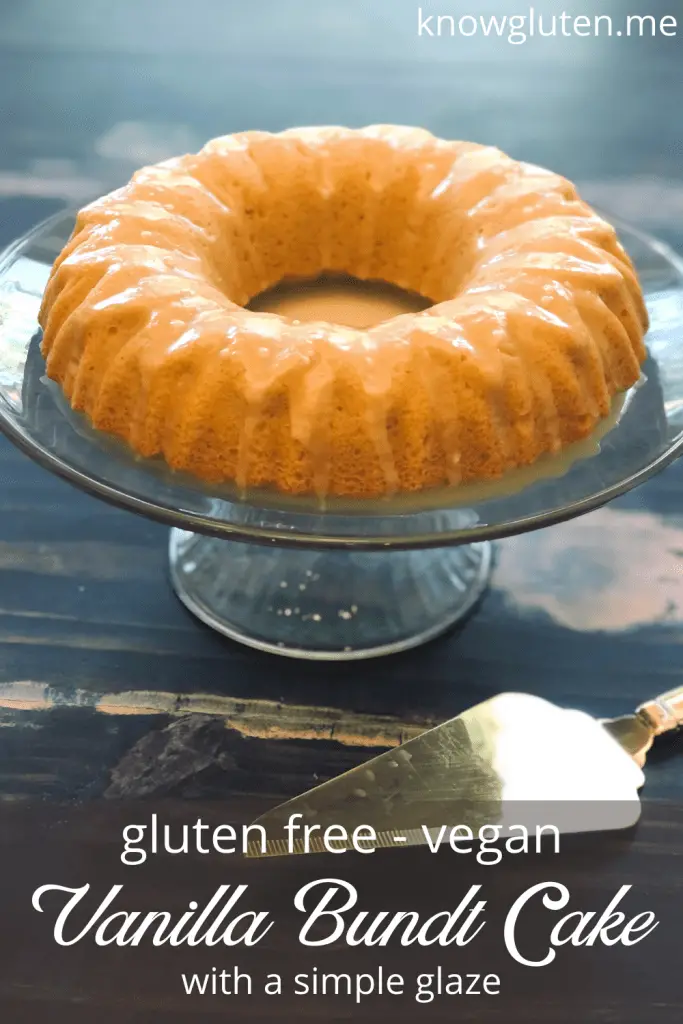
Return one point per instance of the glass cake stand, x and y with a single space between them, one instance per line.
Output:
348 581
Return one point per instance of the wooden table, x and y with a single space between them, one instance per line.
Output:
110 691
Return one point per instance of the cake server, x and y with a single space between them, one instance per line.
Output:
514 759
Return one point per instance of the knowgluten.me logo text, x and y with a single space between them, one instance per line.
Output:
517 29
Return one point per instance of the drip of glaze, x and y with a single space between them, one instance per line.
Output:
457 495
344 301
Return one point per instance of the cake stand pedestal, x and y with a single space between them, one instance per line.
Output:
329 605
343 583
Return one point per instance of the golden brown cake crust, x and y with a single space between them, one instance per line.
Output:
538 318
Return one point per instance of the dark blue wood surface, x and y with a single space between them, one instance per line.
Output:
107 685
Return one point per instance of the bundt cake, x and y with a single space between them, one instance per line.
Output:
538 318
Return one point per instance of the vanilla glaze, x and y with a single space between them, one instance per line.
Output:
537 319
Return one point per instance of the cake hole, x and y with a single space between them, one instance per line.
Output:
338 299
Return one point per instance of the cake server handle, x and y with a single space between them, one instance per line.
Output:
663 713
637 732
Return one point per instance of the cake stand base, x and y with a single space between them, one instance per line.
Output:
326 605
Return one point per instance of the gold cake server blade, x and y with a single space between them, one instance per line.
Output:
513 759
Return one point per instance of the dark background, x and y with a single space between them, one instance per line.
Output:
108 688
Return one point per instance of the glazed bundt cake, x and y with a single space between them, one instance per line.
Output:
538 318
